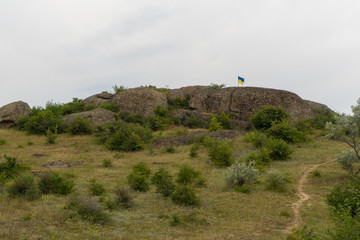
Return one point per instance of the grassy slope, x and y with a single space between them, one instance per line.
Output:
229 214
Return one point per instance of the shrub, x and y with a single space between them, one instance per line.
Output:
170 149
187 176
261 158
10 168
124 137
275 181
156 123
96 188
215 86
107 163
321 118
315 173
131 117
257 138
123 198
303 234
111 107
240 174
53 183
80 126
266 116
88 209
118 89
24 186
278 149
214 125
224 120
193 151
51 136
346 159
221 154
184 195
178 102
283 130
194 122
2 141
137 179
163 182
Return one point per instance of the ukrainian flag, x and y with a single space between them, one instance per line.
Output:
241 80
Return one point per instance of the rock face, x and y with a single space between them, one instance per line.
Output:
140 100
98 99
11 112
96 117
244 101
318 106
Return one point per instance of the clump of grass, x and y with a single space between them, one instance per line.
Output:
275 181
88 209
2 141
315 173
24 186
123 197
96 188
170 149
107 163
285 214
30 143
51 136
194 151
53 183
20 146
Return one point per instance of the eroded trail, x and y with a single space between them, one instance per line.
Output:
303 196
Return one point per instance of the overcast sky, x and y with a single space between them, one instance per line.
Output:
60 49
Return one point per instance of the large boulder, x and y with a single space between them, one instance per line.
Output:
98 99
246 101
11 112
243 101
141 100
96 116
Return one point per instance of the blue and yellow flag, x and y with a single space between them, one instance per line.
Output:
241 80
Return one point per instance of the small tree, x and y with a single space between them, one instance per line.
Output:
266 116
347 129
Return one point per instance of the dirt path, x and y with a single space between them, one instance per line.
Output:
303 196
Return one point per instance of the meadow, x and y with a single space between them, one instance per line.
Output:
223 212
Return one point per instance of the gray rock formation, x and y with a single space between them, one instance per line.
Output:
96 117
141 100
98 99
318 106
243 101
11 112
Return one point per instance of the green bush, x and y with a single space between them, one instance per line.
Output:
275 181
268 115
261 158
240 174
88 209
283 130
123 198
107 163
346 159
194 151
2 141
111 107
215 86
278 149
96 188
321 118
51 136
170 149
131 117
79 126
163 182
178 102
118 89
122 136
221 154
10 168
189 176
194 122
214 125
53 183
184 195
24 186
40 121
303 234
257 138
138 178
224 120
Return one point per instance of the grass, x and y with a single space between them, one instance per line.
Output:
229 214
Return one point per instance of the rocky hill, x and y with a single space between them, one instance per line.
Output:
241 102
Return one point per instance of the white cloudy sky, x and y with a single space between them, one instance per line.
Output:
60 49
